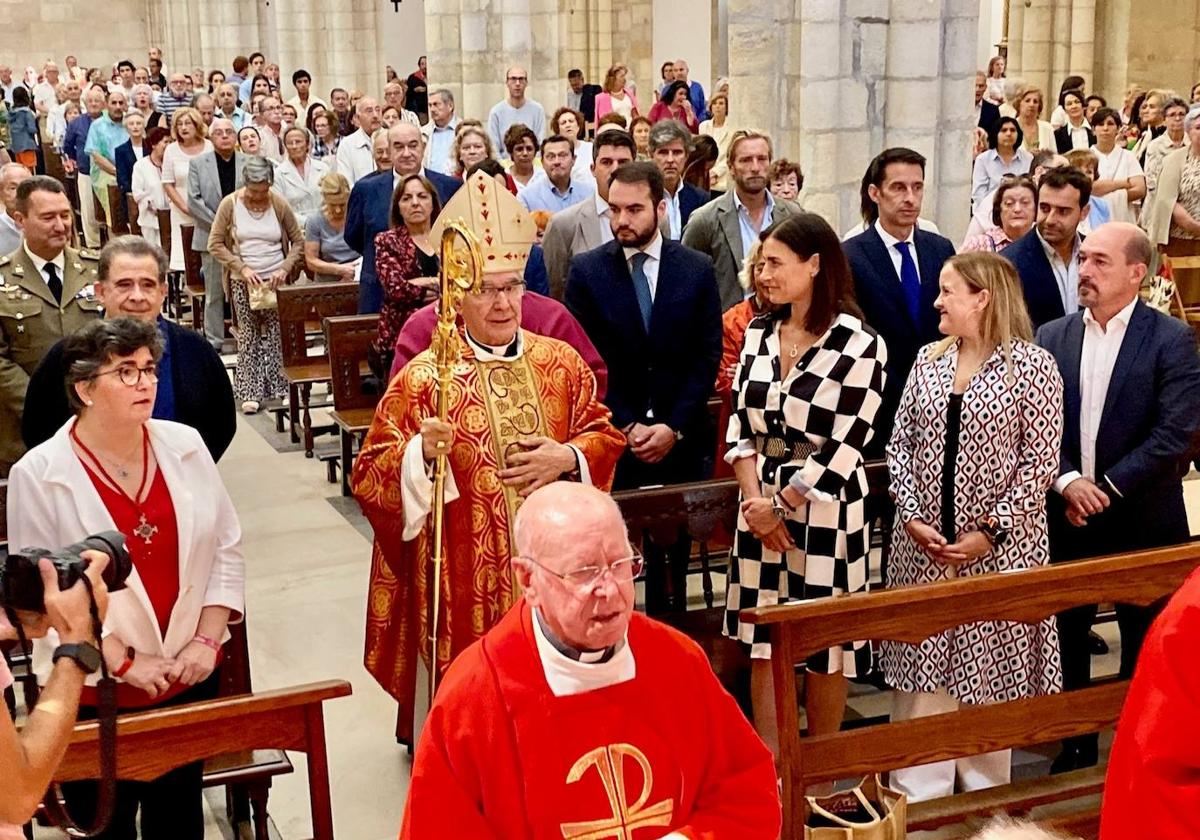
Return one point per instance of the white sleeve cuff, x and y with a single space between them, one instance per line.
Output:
742 449
585 474
1108 481
1060 483
416 489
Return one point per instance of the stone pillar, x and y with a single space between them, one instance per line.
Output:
835 83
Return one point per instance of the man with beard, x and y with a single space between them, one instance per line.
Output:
652 309
726 229
1047 258
670 142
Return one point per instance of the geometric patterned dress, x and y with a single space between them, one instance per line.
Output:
1009 447
823 405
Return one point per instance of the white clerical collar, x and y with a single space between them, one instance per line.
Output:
40 264
653 250
567 676
487 353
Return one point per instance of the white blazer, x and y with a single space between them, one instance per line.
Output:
303 193
52 503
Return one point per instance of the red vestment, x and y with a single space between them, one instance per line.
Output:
668 751
1152 789
550 391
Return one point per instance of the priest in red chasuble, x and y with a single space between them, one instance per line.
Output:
576 717
523 412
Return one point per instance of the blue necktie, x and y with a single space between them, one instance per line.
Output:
641 288
910 282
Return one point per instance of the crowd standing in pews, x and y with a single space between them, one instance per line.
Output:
1031 407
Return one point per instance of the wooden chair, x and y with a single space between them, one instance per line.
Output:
193 283
131 213
53 162
912 614
119 223
101 217
348 338
152 743
298 306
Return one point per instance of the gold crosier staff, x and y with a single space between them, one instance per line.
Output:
461 272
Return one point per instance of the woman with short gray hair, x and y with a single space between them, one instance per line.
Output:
257 240
298 177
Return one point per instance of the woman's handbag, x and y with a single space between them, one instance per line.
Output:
868 812
262 297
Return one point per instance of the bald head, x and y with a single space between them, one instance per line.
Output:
368 115
407 146
1113 261
557 515
11 176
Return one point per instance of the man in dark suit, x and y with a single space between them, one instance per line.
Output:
369 211
670 142
193 386
896 266
652 309
988 112
1047 258
1131 404
582 97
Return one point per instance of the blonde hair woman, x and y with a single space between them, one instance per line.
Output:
471 146
616 98
718 128
190 135
975 449
1029 103
326 254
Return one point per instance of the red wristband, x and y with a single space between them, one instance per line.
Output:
130 653
207 641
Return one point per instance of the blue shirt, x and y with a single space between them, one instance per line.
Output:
104 136
989 169
541 194
244 90
746 224
164 403
440 142
74 141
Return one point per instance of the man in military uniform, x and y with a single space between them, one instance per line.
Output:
45 293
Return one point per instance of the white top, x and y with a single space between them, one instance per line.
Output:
355 156
654 252
259 238
1098 357
1118 165
303 192
175 172
605 214
890 242
148 192
582 169
622 106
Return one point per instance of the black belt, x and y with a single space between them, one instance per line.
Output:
781 449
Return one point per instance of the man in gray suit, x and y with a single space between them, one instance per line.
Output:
588 224
212 176
727 228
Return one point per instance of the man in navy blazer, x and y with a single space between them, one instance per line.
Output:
651 307
670 142
989 112
1047 258
904 318
370 208
1131 405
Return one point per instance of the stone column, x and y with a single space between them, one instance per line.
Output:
835 83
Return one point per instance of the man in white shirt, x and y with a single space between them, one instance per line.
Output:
356 155
515 109
270 127
439 132
45 92
304 99
1131 397
56 121
7 83
11 175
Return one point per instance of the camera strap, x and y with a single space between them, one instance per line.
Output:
54 803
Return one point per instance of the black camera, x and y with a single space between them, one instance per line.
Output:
21 582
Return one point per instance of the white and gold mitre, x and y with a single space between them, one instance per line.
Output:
504 228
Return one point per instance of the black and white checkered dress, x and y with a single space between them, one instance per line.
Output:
828 398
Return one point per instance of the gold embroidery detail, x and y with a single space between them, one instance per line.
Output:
625 819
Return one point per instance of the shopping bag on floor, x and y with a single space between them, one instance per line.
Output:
869 811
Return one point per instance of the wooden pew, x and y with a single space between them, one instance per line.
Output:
911 614
193 283
348 338
131 213
119 223
101 216
174 278
299 305
152 743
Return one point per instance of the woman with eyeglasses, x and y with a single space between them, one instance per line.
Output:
112 467
406 261
1014 210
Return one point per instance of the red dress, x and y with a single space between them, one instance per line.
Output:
397 261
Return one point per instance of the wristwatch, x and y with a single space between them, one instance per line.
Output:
781 512
990 527
85 654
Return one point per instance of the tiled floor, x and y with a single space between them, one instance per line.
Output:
307 563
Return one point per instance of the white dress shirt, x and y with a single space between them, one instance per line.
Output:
604 212
674 214
40 264
654 252
1101 345
355 156
1066 274
890 242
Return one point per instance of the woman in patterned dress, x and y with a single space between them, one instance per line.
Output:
975 449
807 387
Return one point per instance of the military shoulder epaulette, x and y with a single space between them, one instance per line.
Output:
88 254
6 259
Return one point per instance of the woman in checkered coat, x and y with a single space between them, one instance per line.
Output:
807 387
975 448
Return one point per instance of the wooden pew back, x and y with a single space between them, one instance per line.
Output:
911 614
348 339
152 743
308 302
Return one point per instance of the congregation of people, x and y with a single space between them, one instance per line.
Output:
642 255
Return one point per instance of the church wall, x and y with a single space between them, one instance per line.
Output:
32 32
